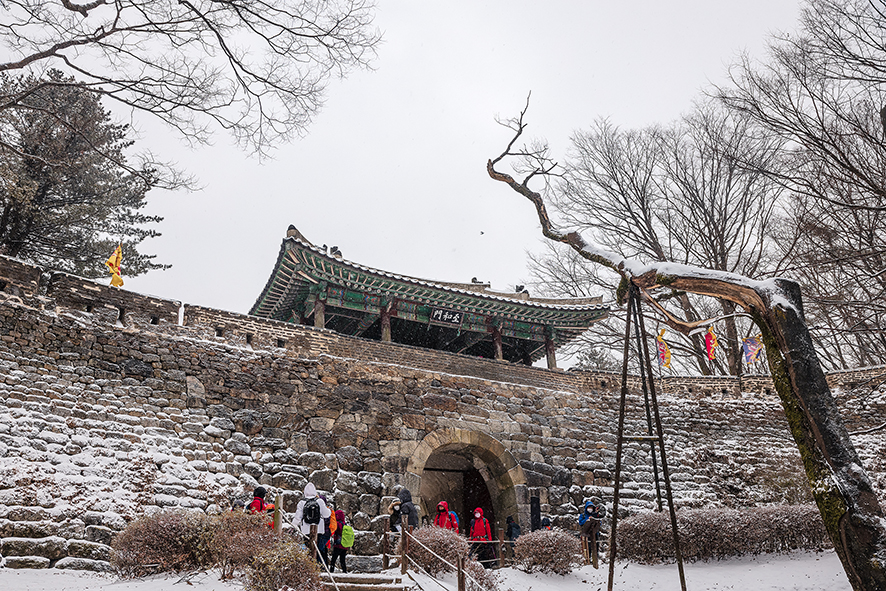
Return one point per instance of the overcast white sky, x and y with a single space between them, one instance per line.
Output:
392 171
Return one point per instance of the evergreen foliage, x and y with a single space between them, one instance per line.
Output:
68 195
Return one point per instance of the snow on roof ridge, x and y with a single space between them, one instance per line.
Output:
446 286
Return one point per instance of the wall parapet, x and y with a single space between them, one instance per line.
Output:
113 305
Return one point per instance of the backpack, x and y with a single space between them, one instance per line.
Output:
311 511
256 506
332 525
482 534
347 536
453 517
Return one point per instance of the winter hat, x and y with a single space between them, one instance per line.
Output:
260 492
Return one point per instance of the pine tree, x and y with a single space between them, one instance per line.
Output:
68 195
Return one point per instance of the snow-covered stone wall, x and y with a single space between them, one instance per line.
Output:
110 408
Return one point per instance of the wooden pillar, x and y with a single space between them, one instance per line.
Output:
385 563
278 514
313 543
386 324
496 342
593 541
405 530
550 351
319 313
460 561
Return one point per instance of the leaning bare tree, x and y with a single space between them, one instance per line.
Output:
692 192
842 489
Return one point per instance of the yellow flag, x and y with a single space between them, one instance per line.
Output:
710 343
664 352
113 265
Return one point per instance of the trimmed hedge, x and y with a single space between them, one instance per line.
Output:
548 551
182 540
443 542
707 534
286 566
448 545
164 541
236 538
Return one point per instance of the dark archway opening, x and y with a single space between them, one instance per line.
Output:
476 494
457 478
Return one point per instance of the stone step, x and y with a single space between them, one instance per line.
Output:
342 586
363 578
362 582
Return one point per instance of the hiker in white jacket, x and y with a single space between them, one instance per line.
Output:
299 519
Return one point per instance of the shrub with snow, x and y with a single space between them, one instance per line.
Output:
164 541
444 542
236 537
548 551
488 579
284 566
707 534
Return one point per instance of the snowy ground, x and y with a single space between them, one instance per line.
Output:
69 580
793 572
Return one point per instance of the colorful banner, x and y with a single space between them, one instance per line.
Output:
710 343
113 265
664 352
752 347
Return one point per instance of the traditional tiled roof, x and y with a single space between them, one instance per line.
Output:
303 270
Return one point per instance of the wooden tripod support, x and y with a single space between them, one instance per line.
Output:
654 434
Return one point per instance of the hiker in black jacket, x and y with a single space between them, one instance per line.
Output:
407 508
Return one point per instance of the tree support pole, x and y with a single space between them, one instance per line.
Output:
659 433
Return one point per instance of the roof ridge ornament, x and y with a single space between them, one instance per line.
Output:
292 232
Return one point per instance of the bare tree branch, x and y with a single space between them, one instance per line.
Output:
258 69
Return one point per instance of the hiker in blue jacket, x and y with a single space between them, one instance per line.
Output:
589 520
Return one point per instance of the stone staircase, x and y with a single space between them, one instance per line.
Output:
33 537
365 582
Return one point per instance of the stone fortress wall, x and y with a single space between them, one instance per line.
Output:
113 404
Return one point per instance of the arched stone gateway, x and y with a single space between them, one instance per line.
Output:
467 469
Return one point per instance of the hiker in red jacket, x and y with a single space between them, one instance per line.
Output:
258 505
479 533
445 518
